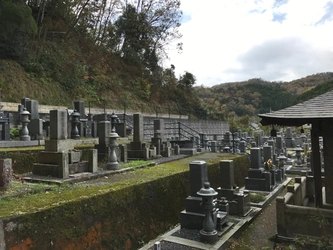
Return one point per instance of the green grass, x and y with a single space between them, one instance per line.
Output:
257 197
135 164
41 200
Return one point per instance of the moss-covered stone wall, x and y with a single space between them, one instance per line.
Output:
23 160
123 218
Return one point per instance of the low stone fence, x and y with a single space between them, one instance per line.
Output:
294 218
297 193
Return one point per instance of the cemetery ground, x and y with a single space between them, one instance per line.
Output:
25 197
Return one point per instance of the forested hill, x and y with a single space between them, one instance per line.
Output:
256 96
107 53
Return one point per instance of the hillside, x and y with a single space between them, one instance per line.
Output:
107 55
110 56
254 96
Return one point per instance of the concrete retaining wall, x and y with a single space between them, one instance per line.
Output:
294 218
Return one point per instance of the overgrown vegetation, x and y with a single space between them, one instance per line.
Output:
135 164
103 52
257 197
39 200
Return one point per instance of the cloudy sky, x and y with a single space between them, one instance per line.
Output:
236 40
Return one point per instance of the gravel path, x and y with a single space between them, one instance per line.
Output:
261 233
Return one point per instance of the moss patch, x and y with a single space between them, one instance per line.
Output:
23 160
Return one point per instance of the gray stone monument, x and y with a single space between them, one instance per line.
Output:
255 156
258 178
138 149
267 152
239 201
58 125
193 215
60 159
104 130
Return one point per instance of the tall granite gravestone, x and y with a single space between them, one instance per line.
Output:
267 152
5 125
226 141
242 147
36 125
193 215
289 140
255 157
239 201
80 107
260 137
138 148
159 135
214 146
104 130
279 144
258 178
60 159
58 125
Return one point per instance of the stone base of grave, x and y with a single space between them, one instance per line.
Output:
138 154
52 164
258 179
79 167
208 237
49 170
188 151
61 164
5 173
112 166
66 144
192 220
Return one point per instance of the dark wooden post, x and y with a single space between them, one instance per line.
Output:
316 127
328 159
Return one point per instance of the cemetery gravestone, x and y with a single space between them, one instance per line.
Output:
239 201
60 159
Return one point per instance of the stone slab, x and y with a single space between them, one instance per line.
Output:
188 151
74 156
78 167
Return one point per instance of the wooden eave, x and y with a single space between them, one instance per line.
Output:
318 109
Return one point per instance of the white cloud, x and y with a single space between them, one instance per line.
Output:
225 41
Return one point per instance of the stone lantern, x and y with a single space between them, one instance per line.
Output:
25 120
282 160
281 170
208 233
299 151
114 120
75 122
112 161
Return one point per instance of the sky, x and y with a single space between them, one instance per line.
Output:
236 40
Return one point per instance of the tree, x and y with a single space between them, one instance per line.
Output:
17 27
144 29
187 80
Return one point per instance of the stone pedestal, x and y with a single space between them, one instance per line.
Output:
6 172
